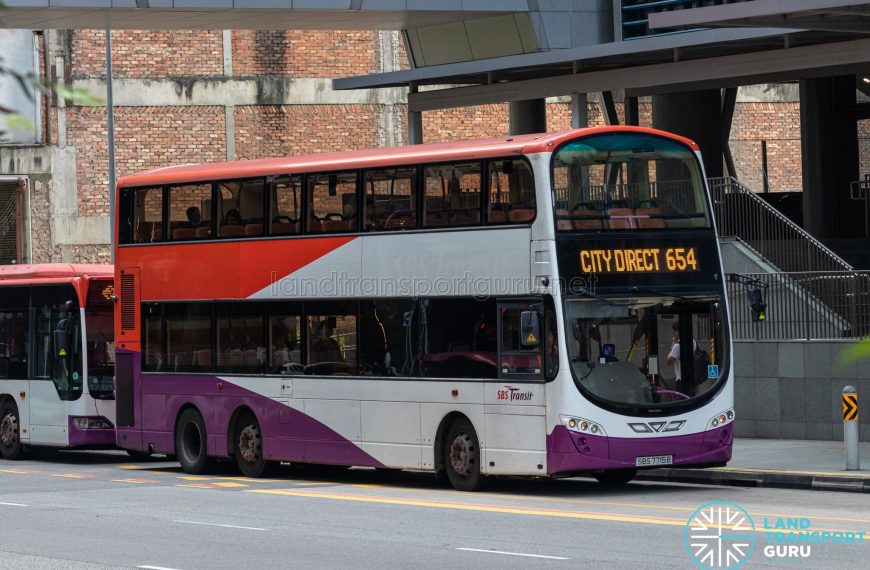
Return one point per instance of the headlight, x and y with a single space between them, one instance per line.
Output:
721 419
579 425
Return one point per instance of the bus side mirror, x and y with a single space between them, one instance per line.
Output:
61 339
757 306
530 329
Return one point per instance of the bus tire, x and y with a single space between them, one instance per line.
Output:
462 456
248 447
10 432
191 443
616 476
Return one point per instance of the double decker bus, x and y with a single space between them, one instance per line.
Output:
57 357
536 305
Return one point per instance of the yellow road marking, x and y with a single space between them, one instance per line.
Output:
474 507
230 484
129 467
197 485
75 475
193 478
617 517
19 471
593 502
139 481
783 472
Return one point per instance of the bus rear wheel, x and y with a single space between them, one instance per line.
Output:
616 476
462 456
191 443
249 447
10 432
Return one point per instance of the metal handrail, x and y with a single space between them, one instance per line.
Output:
741 213
814 305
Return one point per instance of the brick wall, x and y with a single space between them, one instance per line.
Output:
280 130
146 137
779 125
156 136
304 53
147 53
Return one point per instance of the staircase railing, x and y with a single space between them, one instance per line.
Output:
741 213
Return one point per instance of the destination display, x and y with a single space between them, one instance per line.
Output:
685 262
639 260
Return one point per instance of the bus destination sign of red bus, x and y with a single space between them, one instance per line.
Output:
639 260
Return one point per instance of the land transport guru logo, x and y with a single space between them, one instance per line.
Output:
722 535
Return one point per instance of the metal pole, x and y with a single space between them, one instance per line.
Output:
850 428
111 128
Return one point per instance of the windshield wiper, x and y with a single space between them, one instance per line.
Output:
597 297
637 289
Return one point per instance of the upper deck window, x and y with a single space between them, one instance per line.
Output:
390 202
147 223
628 181
240 208
190 212
452 194
286 206
332 203
511 192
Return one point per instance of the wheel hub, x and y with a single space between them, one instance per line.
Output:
462 454
8 430
249 444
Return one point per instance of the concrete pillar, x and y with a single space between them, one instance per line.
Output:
829 149
528 116
579 114
415 122
695 115
632 111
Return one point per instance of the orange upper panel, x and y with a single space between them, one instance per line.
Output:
373 158
78 275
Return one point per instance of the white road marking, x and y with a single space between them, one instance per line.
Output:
223 525
146 567
514 553
13 505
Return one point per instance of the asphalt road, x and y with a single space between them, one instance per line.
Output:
99 510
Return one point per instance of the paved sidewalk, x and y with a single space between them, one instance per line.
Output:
785 463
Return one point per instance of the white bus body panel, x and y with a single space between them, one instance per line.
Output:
396 421
15 388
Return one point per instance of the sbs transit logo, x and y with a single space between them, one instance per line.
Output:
720 535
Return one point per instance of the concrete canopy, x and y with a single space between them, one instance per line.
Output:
247 14
825 15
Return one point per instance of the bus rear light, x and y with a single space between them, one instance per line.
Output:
91 423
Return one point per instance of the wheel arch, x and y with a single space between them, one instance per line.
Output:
441 434
240 411
181 409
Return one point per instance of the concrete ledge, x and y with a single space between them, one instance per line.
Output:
857 483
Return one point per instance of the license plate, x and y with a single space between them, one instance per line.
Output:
651 460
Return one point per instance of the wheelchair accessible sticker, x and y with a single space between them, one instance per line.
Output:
713 371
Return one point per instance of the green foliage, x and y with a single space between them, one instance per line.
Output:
854 352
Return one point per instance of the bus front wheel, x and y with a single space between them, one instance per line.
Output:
249 447
616 476
10 432
191 443
462 456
